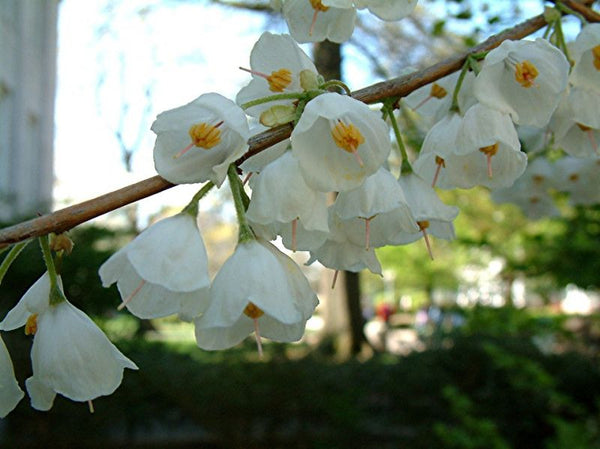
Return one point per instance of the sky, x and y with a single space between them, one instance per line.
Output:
110 57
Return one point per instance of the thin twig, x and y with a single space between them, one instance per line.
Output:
72 216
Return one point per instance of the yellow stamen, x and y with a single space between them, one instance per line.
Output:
31 325
596 55
489 151
583 127
347 137
538 179
525 73
437 91
253 311
440 163
423 225
318 6
279 80
204 135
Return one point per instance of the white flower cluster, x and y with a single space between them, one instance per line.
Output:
526 91
327 190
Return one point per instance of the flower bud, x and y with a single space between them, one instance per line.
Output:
278 115
61 242
309 80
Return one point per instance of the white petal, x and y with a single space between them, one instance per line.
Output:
171 253
10 392
42 396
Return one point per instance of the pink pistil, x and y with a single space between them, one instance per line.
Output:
358 158
335 276
427 243
437 174
294 232
247 178
429 97
367 233
489 165
312 24
185 150
258 341
130 297
590 133
254 72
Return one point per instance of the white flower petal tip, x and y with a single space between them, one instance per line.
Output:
197 142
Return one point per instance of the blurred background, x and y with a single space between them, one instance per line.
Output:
494 344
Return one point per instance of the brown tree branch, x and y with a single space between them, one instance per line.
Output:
72 216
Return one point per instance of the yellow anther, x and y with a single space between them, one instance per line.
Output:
538 179
204 135
574 177
596 55
437 91
584 128
279 80
490 150
318 6
347 137
525 73
423 224
31 325
253 311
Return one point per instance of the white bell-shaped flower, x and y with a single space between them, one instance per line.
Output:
281 197
488 149
276 62
312 21
70 355
585 52
197 142
163 271
576 123
524 79
432 215
433 101
387 9
374 211
531 191
438 152
257 287
340 253
579 177
338 142
10 392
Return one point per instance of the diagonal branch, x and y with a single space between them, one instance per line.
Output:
72 216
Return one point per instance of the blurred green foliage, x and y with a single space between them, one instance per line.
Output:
478 390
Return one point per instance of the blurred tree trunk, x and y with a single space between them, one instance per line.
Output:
328 60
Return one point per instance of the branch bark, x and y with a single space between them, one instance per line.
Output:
72 216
